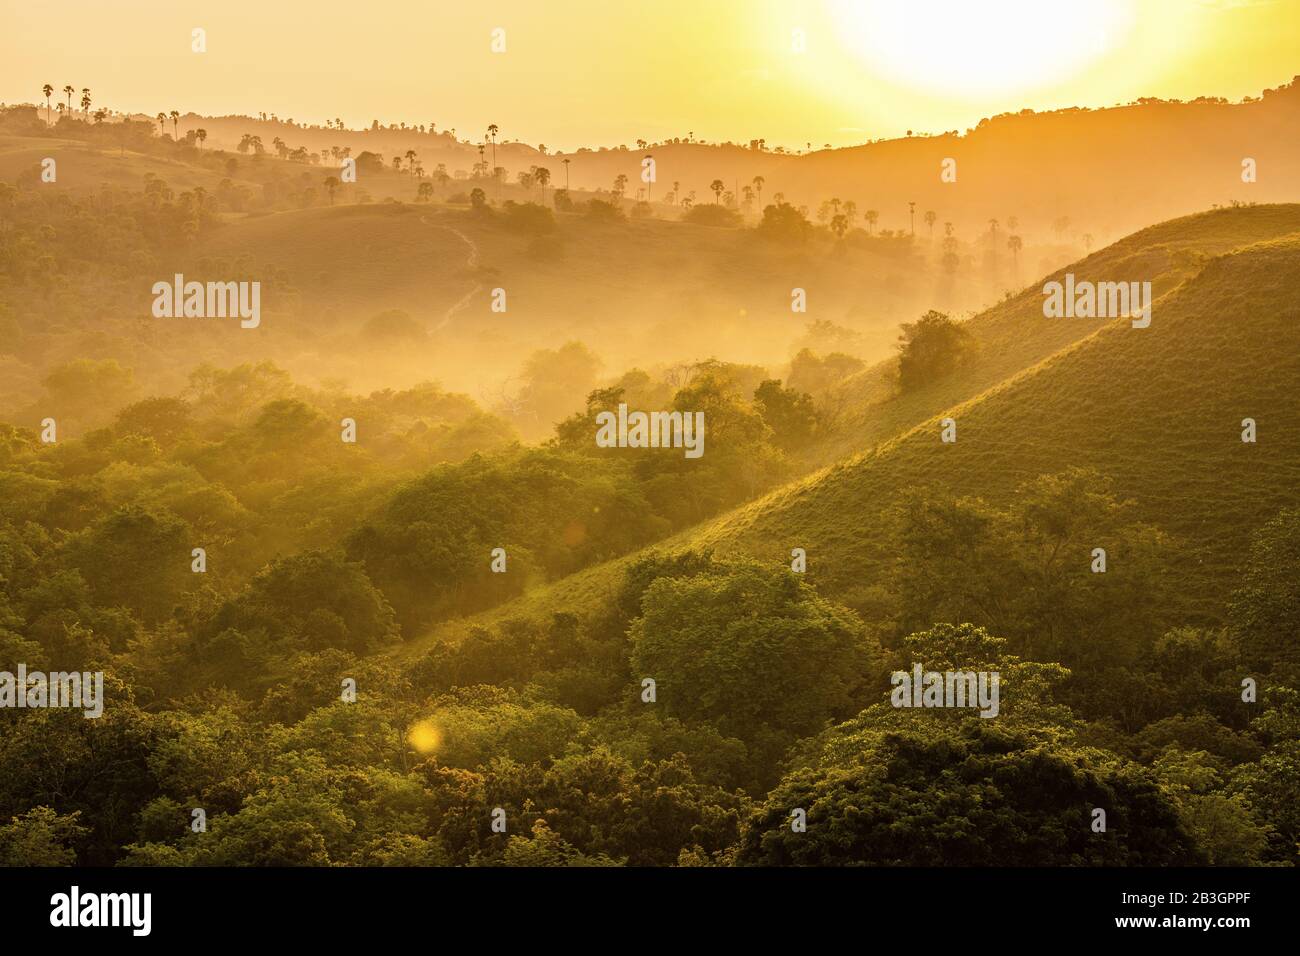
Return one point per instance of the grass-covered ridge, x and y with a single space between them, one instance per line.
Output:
1138 405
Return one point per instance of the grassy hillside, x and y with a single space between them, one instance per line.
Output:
84 166
638 293
364 257
1074 163
1013 336
1139 405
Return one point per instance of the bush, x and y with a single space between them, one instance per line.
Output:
712 215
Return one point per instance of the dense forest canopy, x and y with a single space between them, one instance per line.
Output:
430 623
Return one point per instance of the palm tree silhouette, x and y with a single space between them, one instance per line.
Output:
566 173
200 135
85 101
68 91
911 211
758 188
162 124
47 90
717 186
870 216
493 129
175 114
930 217
1015 244
543 176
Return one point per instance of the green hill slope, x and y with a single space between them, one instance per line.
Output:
1158 410
1012 336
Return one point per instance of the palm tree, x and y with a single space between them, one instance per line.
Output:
1015 244
870 216
410 159
493 129
47 90
717 186
397 164
175 115
911 211
331 184
200 135
542 177
85 101
758 188
566 173
59 107
947 229
162 124
650 186
68 91
930 218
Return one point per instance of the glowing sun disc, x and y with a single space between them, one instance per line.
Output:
974 47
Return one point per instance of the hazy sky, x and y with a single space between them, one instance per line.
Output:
605 72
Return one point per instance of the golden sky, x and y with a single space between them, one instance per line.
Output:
605 72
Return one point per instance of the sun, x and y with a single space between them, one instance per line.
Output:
971 48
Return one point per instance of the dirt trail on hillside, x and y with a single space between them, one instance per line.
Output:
471 263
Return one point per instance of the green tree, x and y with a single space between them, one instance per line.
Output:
40 837
746 646
1265 609
930 349
789 413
